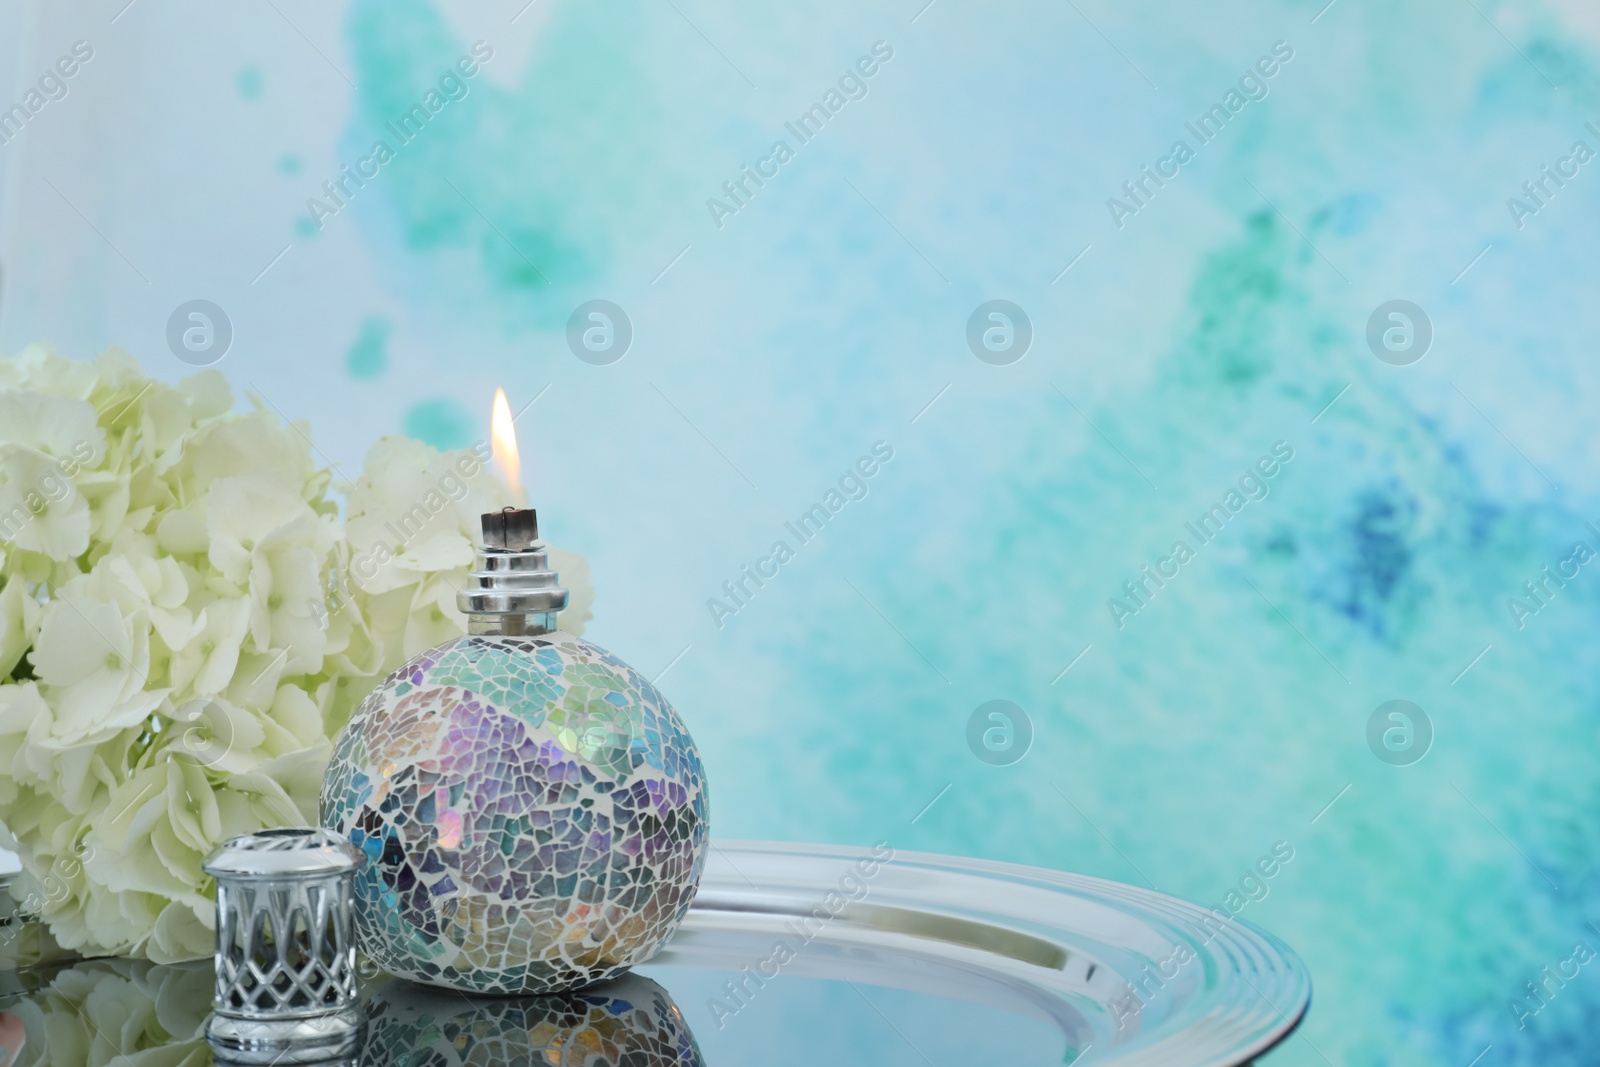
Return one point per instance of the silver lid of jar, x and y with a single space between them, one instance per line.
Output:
291 852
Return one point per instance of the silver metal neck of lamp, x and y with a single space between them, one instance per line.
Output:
512 592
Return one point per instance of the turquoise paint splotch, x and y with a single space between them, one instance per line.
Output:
440 422
368 356
249 83
566 183
289 164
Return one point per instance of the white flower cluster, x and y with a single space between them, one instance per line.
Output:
182 631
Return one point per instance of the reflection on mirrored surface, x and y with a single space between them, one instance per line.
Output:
629 1021
12 1035
97 1010
126 1011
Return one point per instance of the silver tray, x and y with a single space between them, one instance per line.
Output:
1116 974
805 954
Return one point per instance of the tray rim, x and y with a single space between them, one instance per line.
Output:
1106 890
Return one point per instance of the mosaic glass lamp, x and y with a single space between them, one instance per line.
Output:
532 810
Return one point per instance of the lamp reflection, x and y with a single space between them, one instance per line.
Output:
631 1020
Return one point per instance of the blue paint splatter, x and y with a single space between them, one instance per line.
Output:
368 357
1354 213
249 83
1380 557
439 422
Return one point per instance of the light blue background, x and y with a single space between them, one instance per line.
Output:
830 311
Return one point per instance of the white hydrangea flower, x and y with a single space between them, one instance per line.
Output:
93 662
185 623
41 509
19 624
204 662
415 511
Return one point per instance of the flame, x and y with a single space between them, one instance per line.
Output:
504 436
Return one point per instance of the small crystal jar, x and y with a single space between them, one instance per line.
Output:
286 989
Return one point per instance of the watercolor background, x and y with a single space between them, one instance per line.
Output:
829 313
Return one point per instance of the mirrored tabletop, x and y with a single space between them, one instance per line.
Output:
792 954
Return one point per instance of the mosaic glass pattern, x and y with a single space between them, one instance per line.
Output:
532 810
631 1022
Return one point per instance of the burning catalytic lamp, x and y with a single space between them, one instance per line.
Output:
532 809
